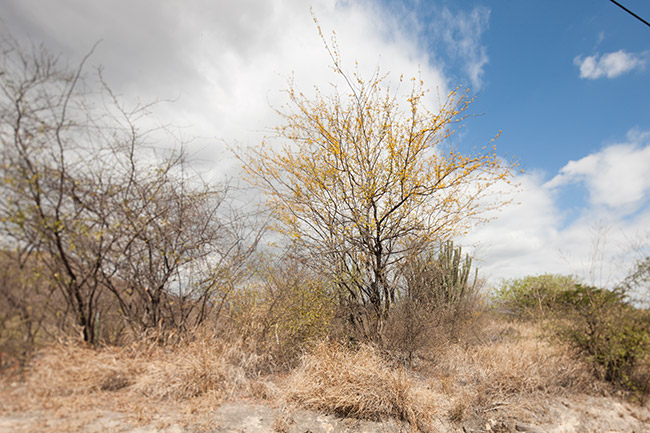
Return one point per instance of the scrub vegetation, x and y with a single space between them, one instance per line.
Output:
129 282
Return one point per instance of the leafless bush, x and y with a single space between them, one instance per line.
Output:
111 221
28 301
440 302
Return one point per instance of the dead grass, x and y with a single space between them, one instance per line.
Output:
360 384
517 365
68 368
201 367
506 368
177 382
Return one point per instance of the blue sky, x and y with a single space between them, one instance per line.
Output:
568 83
532 89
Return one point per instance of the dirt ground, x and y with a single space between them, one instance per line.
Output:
111 412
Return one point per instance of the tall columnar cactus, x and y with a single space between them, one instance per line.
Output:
453 272
440 278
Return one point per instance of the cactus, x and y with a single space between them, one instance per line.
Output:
453 273
441 279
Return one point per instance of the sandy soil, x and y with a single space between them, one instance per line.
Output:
20 413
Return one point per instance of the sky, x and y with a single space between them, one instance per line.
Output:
566 83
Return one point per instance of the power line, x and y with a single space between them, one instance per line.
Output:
630 12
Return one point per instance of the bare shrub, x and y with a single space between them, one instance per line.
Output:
440 302
119 227
28 304
413 332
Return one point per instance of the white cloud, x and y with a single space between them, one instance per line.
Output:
610 65
225 62
616 177
461 34
516 242
535 236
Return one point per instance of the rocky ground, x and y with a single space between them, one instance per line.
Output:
575 414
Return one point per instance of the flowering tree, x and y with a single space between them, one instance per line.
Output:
365 179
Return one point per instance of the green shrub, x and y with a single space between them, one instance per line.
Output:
533 297
603 326
284 310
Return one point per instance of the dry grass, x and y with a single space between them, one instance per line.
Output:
507 368
359 384
516 366
148 382
69 368
202 367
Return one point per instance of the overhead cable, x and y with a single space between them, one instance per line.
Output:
630 12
